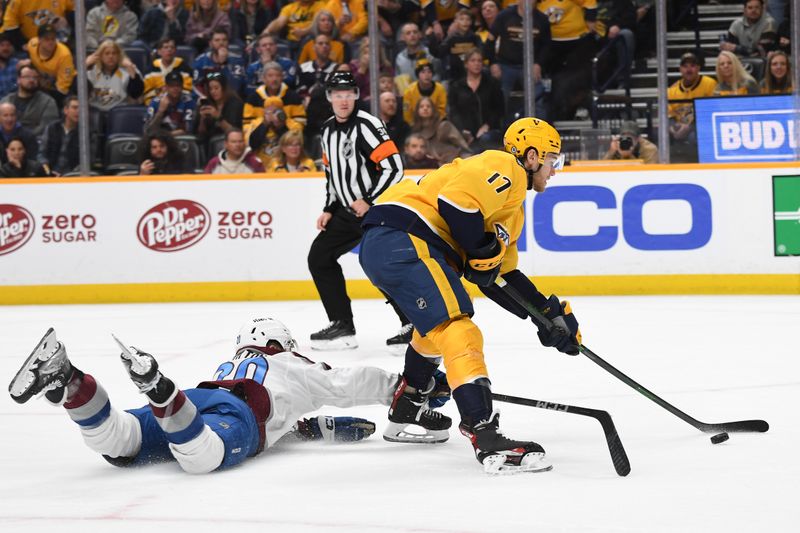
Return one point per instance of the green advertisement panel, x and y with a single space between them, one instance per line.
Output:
786 211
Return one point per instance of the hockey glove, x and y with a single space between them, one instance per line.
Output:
483 264
335 428
564 335
441 390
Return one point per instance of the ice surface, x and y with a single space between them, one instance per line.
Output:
717 358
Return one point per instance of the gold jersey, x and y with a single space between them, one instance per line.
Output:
566 17
493 183
28 15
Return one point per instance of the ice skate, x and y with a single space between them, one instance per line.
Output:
46 371
143 371
398 344
411 420
338 335
501 455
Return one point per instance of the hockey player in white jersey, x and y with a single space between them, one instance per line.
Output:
253 400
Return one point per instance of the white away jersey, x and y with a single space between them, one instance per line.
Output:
297 385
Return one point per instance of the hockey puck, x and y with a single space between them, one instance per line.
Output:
719 437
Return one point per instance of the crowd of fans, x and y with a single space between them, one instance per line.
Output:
243 80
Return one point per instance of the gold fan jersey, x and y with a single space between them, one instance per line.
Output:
683 112
567 22
493 183
28 15
58 71
154 80
299 16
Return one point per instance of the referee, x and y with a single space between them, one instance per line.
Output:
361 162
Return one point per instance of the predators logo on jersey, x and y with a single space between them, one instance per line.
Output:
28 15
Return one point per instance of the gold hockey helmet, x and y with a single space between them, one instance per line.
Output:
535 133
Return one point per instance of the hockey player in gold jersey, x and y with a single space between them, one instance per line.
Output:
464 218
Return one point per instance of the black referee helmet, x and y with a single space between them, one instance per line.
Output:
340 80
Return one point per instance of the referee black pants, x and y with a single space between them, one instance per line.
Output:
341 235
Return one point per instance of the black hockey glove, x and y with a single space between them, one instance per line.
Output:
483 264
564 335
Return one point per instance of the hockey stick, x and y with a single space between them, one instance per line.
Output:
618 455
742 426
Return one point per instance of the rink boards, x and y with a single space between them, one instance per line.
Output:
678 229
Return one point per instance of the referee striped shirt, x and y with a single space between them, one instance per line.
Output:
361 161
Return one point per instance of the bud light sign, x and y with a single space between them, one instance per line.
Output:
751 128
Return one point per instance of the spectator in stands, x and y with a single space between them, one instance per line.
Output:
11 128
166 19
160 154
460 40
691 85
507 61
60 150
445 142
488 14
113 78
22 18
406 61
249 20
476 104
219 58
622 21
173 110
732 78
324 24
267 49
274 86
350 17
752 34
235 158
205 19
573 46
386 83
396 127
629 144
111 20
166 62
18 165
415 153
294 20
360 67
291 155
53 60
778 76
220 111
35 109
8 66
439 15
424 87
315 71
263 135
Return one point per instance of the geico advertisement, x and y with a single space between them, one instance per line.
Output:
655 222
215 230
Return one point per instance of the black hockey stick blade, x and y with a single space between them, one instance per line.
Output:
742 426
618 456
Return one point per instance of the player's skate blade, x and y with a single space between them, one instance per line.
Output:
44 370
395 432
532 462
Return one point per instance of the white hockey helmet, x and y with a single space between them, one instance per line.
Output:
258 332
